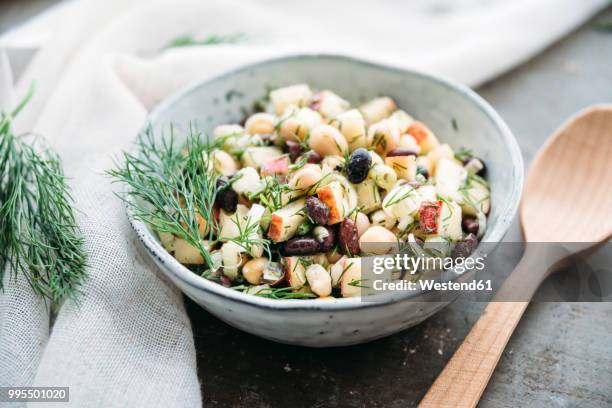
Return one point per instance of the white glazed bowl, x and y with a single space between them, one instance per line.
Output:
457 116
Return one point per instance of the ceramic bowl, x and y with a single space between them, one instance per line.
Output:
456 114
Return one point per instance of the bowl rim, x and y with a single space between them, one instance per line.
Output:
170 265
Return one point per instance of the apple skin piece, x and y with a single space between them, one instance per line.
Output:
332 196
295 273
429 215
276 165
441 219
351 277
424 136
284 222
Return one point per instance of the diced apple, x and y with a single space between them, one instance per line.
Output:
402 200
298 95
381 218
450 176
275 166
247 181
368 196
441 152
427 193
384 136
332 196
476 197
329 104
424 136
284 222
377 109
350 283
232 258
257 156
352 126
230 224
295 273
403 161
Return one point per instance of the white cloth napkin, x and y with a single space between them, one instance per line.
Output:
101 67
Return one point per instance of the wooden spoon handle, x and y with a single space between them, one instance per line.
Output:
466 375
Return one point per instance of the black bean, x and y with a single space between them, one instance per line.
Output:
226 198
317 210
470 225
329 241
358 165
348 238
301 246
293 148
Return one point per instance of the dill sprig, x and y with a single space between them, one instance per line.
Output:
39 236
171 187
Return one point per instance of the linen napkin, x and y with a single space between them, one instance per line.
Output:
103 64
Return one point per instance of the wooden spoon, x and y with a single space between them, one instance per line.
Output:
567 198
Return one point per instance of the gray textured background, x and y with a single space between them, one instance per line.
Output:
560 354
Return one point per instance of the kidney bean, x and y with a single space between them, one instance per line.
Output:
317 210
401 151
313 157
470 225
301 246
293 148
348 238
464 248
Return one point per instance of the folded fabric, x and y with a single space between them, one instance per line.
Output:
103 64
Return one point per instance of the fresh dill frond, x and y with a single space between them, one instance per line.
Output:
171 187
39 236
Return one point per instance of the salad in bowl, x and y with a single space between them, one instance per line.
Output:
286 204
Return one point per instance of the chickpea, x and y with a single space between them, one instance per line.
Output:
327 140
260 124
383 175
224 163
295 124
336 270
378 240
228 130
376 159
253 270
362 222
384 136
306 177
319 280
